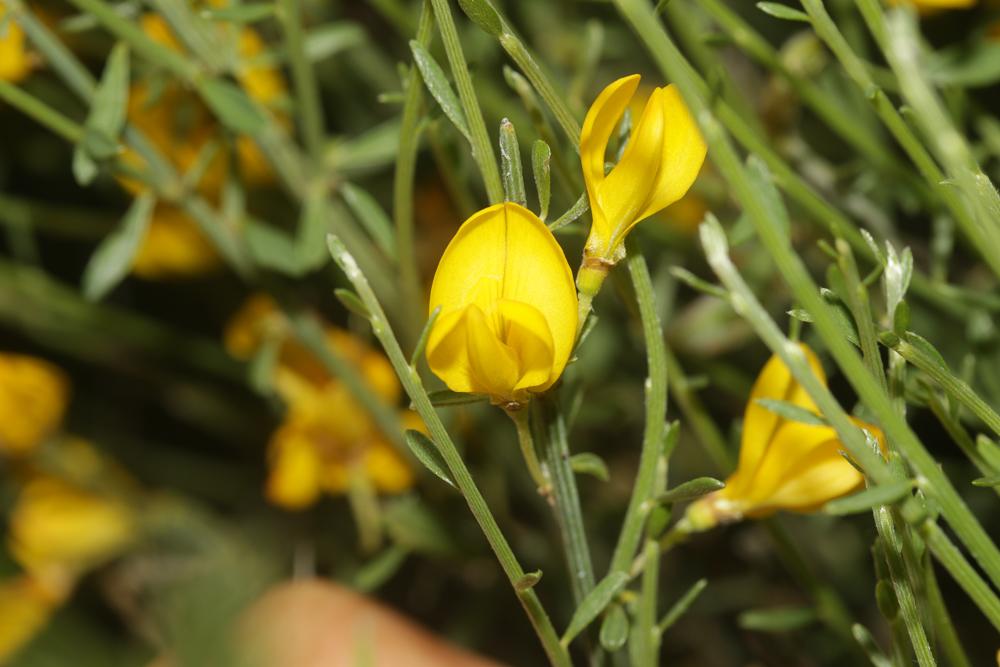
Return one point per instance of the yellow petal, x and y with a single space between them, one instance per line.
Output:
814 480
624 192
15 61
294 478
682 153
387 470
506 294
33 397
493 365
25 609
760 424
56 524
598 126
792 443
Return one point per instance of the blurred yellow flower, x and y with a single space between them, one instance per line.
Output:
326 436
33 396
783 465
508 307
25 608
15 60
58 531
664 153
180 127
174 247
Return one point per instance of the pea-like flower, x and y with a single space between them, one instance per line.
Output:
664 153
508 307
33 396
783 465
326 438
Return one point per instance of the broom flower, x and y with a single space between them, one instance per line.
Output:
783 464
508 307
664 154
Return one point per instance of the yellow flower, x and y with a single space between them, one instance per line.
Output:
783 465
25 608
15 61
665 151
326 437
33 395
174 247
180 127
508 307
58 530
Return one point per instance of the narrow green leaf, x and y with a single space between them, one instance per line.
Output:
380 569
594 603
691 489
528 581
437 83
681 606
427 453
372 217
106 117
614 628
987 481
587 463
791 412
352 302
232 106
510 164
988 450
864 501
928 353
777 619
579 207
483 15
901 319
541 157
112 260
696 283
327 40
272 248
446 397
784 12
418 349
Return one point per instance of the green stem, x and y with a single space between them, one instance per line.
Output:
539 476
656 413
900 130
460 473
901 584
482 148
823 104
307 102
952 559
41 112
403 177
953 507
949 643
556 101
952 385
647 651
551 429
